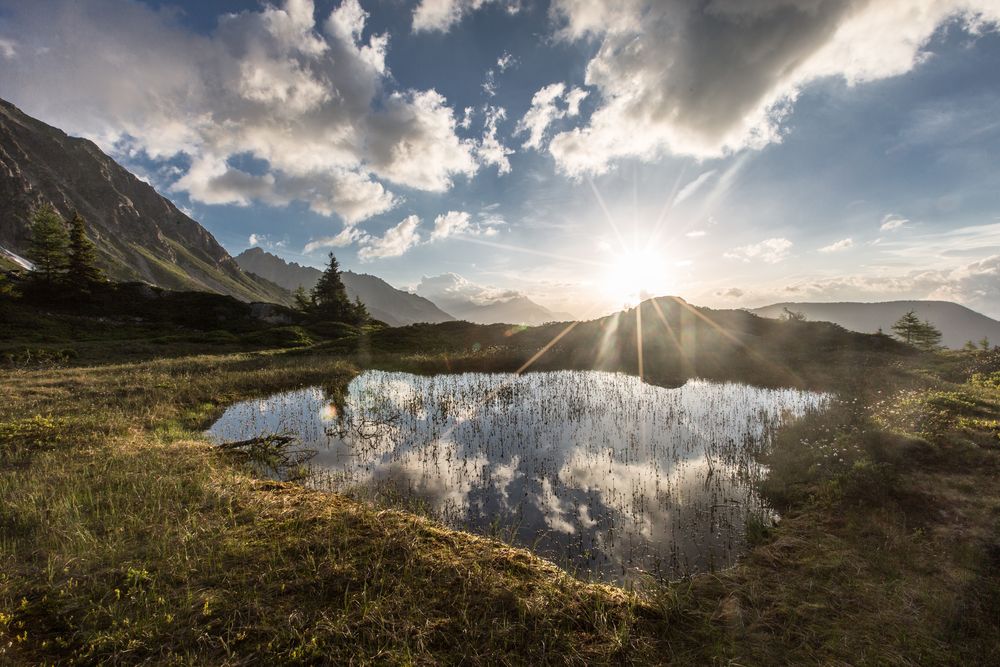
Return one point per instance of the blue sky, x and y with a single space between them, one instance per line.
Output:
582 153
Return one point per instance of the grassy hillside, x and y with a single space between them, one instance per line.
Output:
127 538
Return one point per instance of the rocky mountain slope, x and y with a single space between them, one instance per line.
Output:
957 323
139 234
393 306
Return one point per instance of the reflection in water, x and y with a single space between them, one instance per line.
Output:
600 472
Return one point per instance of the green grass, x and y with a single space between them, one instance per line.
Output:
125 538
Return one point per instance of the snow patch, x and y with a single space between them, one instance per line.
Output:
17 259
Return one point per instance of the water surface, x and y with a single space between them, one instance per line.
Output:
600 472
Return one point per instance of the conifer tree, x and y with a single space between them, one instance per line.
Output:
300 299
82 263
906 327
49 245
984 343
329 298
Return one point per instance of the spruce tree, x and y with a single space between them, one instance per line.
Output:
49 245
927 337
300 299
906 327
984 343
329 297
82 265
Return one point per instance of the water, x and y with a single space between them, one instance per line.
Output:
604 474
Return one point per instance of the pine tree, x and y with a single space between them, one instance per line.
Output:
984 343
300 299
927 337
906 327
49 245
329 298
82 265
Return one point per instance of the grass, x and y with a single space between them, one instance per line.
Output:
125 538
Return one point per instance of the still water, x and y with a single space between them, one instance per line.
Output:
606 475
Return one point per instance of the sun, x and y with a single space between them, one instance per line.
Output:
634 276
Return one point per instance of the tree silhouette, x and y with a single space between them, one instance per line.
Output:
49 245
330 301
919 333
82 267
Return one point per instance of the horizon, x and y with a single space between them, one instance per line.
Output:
551 161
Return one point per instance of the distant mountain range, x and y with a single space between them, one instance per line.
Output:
140 235
393 306
513 310
957 323
396 307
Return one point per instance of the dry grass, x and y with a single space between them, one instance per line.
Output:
126 539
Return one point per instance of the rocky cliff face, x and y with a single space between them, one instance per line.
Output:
140 235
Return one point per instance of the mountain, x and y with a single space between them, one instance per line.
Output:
957 323
393 306
140 235
514 310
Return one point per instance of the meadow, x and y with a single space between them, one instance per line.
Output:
126 536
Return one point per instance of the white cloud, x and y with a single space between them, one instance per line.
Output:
451 288
545 109
449 224
256 239
709 78
693 187
308 101
454 223
838 246
770 251
892 222
441 15
505 61
8 48
396 241
696 233
345 238
491 150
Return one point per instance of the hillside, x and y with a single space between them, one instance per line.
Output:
957 323
393 306
139 234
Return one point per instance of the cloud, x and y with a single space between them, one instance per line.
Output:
308 100
708 78
731 293
491 150
770 251
838 246
396 241
693 187
8 48
345 238
449 224
454 223
451 288
892 222
256 239
545 109
696 233
441 15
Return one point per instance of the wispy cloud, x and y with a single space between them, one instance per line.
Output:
770 251
838 246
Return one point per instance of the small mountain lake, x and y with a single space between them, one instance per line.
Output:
604 474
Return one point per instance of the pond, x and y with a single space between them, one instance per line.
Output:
608 476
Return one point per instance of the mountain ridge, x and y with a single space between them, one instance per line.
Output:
393 306
957 323
139 234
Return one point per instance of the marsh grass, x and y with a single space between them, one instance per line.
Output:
125 538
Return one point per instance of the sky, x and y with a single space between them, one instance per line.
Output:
583 153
